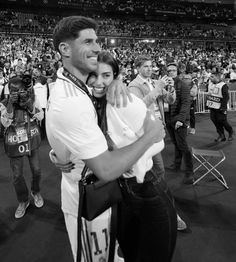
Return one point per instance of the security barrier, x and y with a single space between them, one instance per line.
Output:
201 102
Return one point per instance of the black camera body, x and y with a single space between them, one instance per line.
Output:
22 88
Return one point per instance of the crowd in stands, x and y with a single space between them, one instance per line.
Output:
20 54
186 9
43 24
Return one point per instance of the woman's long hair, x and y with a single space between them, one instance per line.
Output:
107 58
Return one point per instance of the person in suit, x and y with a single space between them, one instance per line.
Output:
177 121
156 94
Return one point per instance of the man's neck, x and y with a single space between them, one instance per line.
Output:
144 78
74 71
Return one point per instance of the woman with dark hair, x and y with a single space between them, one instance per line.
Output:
146 218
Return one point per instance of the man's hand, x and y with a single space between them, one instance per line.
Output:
28 104
178 124
13 98
165 80
156 92
153 128
116 90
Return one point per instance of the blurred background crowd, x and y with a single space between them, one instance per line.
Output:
166 30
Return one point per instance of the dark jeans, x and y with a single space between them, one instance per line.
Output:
182 150
192 113
220 121
158 165
19 183
147 224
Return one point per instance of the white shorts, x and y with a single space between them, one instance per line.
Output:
95 237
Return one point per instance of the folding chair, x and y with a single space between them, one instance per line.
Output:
205 159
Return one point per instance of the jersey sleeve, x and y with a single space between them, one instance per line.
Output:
76 127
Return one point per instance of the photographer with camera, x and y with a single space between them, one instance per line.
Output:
20 113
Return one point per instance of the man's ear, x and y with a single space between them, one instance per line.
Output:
65 49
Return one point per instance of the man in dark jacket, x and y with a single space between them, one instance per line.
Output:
177 120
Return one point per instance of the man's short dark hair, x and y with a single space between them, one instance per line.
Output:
140 60
216 71
172 64
69 27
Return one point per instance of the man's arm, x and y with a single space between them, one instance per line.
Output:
36 111
6 109
148 99
112 164
83 138
225 99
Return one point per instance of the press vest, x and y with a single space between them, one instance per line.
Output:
214 97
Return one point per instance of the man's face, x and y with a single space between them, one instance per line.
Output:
36 73
172 71
145 70
215 78
84 51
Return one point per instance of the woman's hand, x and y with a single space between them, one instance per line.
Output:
115 91
65 168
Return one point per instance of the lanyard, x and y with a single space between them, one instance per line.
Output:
78 83
100 107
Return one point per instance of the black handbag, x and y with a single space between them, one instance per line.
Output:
98 196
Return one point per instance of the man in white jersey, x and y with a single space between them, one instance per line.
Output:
72 128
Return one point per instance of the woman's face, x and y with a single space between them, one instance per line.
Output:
103 78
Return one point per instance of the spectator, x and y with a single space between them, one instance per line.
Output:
177 120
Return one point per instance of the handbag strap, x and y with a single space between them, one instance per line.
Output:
79 221
114 213
102 115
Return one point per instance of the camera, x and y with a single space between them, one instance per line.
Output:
21 88
27 80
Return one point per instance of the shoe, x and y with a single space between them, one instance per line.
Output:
231 138
220 138
38 200
192 131
181 225
173 167
20 211
188 180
